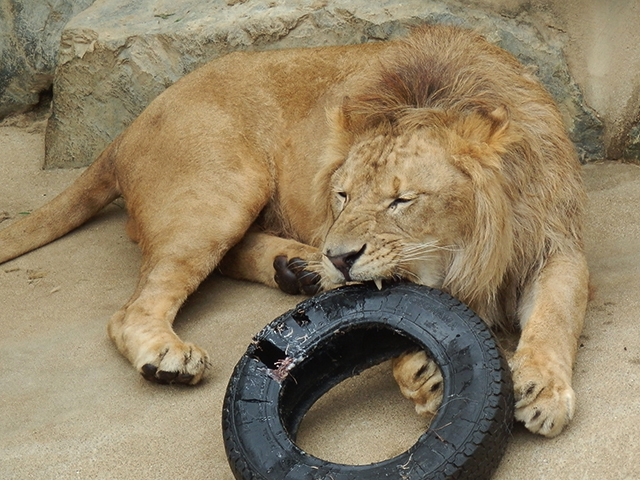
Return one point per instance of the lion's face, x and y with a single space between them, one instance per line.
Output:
400 210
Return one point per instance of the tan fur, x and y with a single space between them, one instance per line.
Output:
437 159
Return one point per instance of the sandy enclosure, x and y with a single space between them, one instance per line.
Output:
72 407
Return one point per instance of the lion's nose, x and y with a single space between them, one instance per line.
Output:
345 261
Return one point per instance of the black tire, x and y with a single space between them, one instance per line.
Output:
302 354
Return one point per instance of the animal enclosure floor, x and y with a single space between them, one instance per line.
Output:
72 407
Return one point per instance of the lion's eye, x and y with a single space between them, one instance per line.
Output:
400 201
341 199
342 196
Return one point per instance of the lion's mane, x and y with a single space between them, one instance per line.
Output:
502 130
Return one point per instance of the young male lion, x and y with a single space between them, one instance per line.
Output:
436 159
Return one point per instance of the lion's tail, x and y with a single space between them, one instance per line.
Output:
95 188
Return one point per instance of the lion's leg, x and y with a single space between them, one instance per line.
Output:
274 261
142 330
178 251
552 315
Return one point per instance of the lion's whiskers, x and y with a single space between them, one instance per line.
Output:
423 251
314 265
404 274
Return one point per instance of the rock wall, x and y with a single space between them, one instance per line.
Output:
29 39
604 57
118 55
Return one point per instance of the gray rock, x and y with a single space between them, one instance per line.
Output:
118 55
632 149
29 38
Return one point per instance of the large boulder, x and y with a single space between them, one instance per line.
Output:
29 39
117 55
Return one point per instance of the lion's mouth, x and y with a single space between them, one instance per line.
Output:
381 283
340 274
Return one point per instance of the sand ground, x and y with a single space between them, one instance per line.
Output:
72 407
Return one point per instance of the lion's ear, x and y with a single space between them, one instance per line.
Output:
482 138
346 117
500 134
362 113
341 128
341 116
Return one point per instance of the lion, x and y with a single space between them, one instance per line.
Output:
436 159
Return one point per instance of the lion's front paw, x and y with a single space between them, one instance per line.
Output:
173 362
293 277
545 401
420 380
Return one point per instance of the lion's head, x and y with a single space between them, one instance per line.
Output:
421 200
399 208
451 170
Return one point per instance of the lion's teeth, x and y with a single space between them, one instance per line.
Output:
378 283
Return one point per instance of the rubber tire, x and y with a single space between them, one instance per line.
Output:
340 333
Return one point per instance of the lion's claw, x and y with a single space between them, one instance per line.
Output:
151 373
293 278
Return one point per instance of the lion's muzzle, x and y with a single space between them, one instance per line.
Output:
343 262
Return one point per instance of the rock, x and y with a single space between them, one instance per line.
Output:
117 55
29 39
632 150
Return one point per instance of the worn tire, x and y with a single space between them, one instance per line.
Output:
302 354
